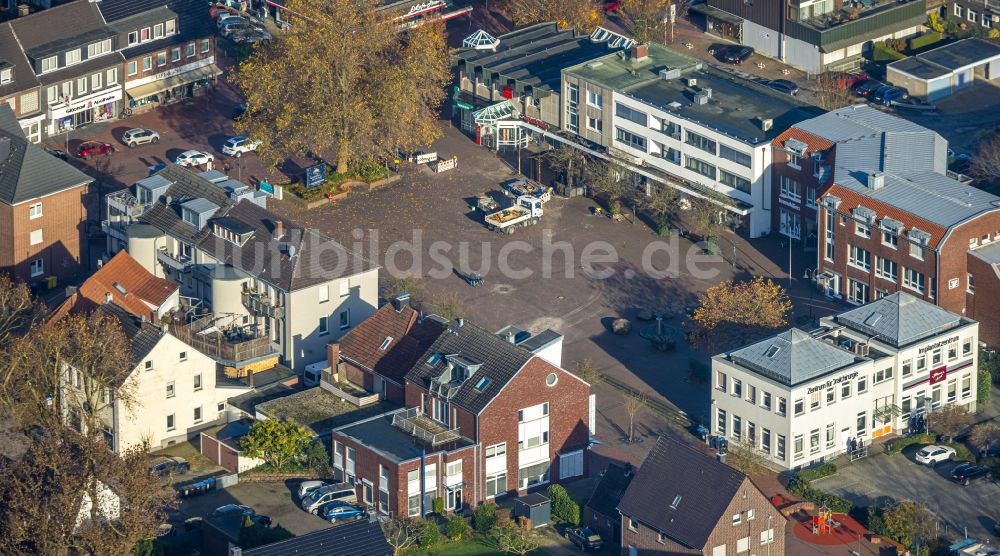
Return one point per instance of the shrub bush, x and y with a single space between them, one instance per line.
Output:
564 509
799 487
438 505
430 533
484 517
992 463
875 522
882 53
824 470
962 452
456 527
503 516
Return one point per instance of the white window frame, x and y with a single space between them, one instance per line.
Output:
35 211
37 267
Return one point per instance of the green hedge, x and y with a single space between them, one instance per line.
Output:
896 446
962 452
801 488
809 475
925 40
882 53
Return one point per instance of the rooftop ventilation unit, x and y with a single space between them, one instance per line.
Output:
668 74
692 82
701 97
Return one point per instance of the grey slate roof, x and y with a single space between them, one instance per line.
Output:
193 21
354 538
46 29
899 319
378 433
705 487
792 357
500 360
11 54
610 489
300 259
26 171
913 159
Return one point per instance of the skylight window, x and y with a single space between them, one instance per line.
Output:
385 343
772 351
482 384
433 359
121 289
676 502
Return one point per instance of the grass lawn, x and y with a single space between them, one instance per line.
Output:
472 547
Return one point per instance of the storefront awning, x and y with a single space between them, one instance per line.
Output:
716 13
205 72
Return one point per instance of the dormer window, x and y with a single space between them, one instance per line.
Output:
133 38
50 64
6 76
98 48
73 57
232 231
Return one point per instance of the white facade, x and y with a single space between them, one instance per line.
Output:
878 394
668 147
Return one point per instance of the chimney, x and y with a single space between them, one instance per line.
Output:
401 301
279 229
460 321
876 181
640 52
23 10
108 297
766 123
511 336
70 291
333 354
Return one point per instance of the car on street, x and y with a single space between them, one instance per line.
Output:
929 455
240 509
305 487
228 18
783 86
339 511
868 87
849 80
737 54
140 136
230 27
191 158
165 465
238 145
324 495
94 148
585 538
885 95
968 473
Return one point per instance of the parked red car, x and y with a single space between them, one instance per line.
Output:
94 148
611 5
849 80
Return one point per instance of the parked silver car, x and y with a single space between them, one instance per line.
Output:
140 136
324 495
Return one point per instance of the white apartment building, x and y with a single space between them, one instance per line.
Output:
678 123
807 397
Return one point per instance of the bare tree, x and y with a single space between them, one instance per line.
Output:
610 181
588 371
746 457
448 305
568 161
949 420
18 309
516 538
706 218
663 204
634 401
985 435
646 17
404 284
985 163
401 533
830 91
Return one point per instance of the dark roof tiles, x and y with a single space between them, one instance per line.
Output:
410 337
26 171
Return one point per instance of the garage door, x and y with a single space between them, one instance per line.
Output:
571 464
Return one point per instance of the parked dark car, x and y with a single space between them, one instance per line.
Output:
868 87
240 109
737 54
94 148
165 465
968 473
246 511
57 153
784 86
885 95
585 538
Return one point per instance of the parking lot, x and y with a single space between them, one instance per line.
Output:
872 480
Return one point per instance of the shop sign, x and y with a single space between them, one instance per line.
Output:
87 103
447 164
535 122
939 374
936 345
316 175
131 84
425 6
462 105
832 382
425 158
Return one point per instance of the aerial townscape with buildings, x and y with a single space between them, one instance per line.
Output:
462 278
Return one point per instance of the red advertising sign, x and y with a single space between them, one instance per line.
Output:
939 374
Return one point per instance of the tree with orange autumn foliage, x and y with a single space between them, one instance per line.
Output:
582 15
733 313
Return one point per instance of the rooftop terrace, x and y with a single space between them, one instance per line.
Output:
318 410
380 434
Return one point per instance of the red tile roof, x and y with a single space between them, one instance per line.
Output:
851 199
411 337
815 143
143 291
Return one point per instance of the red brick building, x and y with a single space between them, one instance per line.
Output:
801 170
683 501
43 209
485 417
893 220
377 354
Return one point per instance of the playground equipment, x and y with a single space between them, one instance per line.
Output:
823 521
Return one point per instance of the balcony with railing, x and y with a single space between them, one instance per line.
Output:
125 204
414 422
260 305
855 22
176 262
116 228
223 339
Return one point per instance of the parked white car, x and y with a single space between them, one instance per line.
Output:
238 145
139 136
929 455
305 487
188 159
324 495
